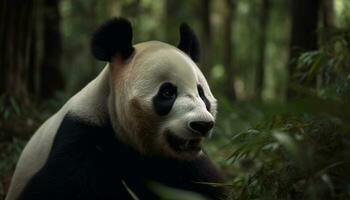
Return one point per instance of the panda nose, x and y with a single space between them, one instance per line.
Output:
202 127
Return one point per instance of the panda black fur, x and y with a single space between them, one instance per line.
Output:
126 128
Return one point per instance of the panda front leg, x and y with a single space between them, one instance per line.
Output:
80 165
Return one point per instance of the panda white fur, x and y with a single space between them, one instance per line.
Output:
143 119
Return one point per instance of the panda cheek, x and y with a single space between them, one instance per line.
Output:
162 107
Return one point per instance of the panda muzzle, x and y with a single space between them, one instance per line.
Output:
184 145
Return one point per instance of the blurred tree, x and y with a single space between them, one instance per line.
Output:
171 28
51 75
79 19
206 58
305 15
328 13
33 78
260 68
131 8
327 32
36 51
16 29
230 6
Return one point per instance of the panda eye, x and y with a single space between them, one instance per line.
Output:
200 91
203 97
168 91
165 99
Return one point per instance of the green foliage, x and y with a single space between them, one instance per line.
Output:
9 154
9 107
325 72
299 150
292 157
18 121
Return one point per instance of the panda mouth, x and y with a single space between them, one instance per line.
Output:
184 145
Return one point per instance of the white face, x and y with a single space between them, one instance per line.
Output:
171 109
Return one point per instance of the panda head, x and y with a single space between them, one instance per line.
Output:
159 102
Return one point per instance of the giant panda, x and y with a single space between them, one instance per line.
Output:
141 121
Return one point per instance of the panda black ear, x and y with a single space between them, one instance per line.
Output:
114 37
189 42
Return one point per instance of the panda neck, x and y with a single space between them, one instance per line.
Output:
95 104
90 104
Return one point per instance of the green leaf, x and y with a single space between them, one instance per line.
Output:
7 114
290 145
132 194
168 193
15 106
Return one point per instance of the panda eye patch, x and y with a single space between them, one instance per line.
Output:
203 97
165 98
167 91
200 91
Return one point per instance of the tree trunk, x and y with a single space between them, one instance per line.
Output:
328 14
51 75
228 50
3 31
206 59
17 19
304 33
260 69
172 29
326 33
33 84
